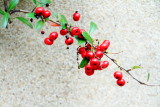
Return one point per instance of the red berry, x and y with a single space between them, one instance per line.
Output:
81 50
94 62
53 36
69 41
121 82
104 64
89 73
98 48
47 41
39 11
88 46
63 31
75 31
42 32
106 41
88 67
76 16
104 46
89 55
46 14
118 75
83 54
99 54
80 35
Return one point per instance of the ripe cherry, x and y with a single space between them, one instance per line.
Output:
98 48
104 46
104 64
47 41
63 32
81 50
88 46
39 11
53 36
69 41
83 54
89 55
80 35
88 67
75 31
76 16
106 41
94 62
46 14
121 82
118 75
99 54
89 73
42 32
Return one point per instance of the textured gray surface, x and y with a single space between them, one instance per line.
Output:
35 75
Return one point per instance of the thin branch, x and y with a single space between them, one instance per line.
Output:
23 11
114 61
5 5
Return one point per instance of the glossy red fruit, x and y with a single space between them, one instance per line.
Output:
89 55
121 82
63 32
88 46
42 32
89 73
47 41
81 50
98 48
118 75
80 35
53 36
99 54
76 16
75 31
39 11
88 67
106 41
69 41
83 54
46 14
104 46
104 64
94 62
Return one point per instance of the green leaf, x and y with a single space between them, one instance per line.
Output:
35 1
39 25
136 67
55 14
87 37
45 1
84 62
80 41
2 12
13 4
93 27
25 21
30 15
148 77
63 21
4 20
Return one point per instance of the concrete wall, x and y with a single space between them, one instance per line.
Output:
35 75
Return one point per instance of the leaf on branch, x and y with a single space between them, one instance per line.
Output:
63 21
84 62
2 12
136 67
87 37
93 27
4 20
45 1
55 14
35 1
54 24
148 77
30 15
39 25
80 41
25 21
13 4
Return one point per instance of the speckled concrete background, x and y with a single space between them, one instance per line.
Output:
35 75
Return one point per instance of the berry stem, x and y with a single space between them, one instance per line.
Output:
14 11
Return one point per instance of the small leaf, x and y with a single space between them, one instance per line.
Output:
84 62
35 1
136 67
63 21
2 12
148 77
45 1
39 25
80 41
55 14
4 20
87 37
30 15
13 4
25 21
93 27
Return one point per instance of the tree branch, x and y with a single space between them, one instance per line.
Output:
5 5
23 11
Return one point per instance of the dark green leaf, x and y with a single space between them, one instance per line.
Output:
87 37
35 1
80 41
55 14
84 62
4 20
45 1
30 15
39 25
148 77
63 21
25 21
2 12
13 4
93 27
136 67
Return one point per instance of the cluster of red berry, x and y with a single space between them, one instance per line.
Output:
94 55
40 11
119 76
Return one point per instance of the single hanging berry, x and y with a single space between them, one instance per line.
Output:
81 50
104 64
47 41
46 14
39 11
53 36
118 75
75 31
76 16
69 41
63 32
121 82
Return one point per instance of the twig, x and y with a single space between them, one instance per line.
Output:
114 61
23 11
5 5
